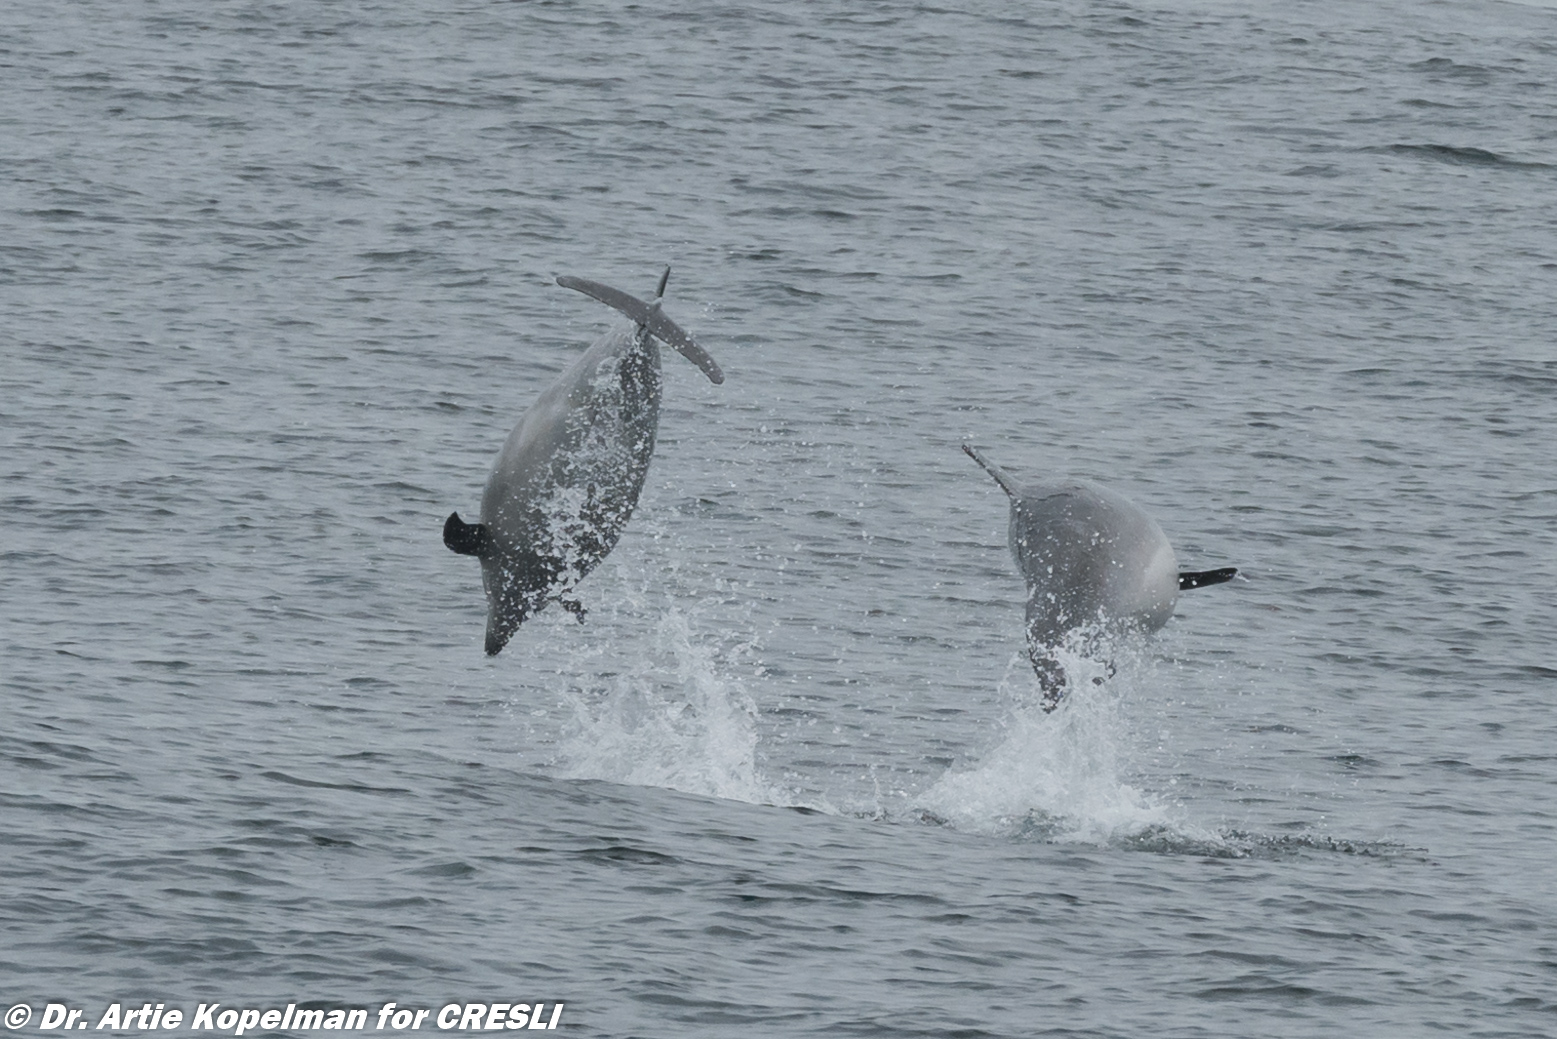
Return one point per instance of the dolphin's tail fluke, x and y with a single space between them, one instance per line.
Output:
1005 482
648 316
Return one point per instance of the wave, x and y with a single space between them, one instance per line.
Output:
1462 156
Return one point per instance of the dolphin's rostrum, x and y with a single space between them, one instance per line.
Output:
571 471
1094 563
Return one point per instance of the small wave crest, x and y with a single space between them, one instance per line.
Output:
1462 156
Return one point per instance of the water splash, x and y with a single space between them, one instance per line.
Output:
670 720
1056 776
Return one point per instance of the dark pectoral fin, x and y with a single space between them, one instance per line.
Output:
468 539
1199 579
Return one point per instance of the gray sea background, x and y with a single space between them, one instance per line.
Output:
276 279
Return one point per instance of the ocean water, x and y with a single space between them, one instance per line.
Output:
279 278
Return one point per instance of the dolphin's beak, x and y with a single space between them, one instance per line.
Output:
499 631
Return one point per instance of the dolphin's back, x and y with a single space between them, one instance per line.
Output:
1089 556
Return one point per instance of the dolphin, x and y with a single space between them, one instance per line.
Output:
1094 562
569 475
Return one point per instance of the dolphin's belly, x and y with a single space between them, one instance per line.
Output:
570 473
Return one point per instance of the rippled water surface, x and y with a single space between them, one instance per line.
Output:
279 278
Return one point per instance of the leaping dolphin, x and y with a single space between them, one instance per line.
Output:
1092 560
570 473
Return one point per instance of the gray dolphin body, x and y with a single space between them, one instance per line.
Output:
570 473
1094 562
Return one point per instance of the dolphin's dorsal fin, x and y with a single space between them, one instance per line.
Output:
468 539
1005 482
663 279
1200 578
648 315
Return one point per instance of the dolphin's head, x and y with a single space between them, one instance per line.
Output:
500 628
518 584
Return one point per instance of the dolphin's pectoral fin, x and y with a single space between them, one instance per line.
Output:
468 539
648 315
1201 578
574 607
